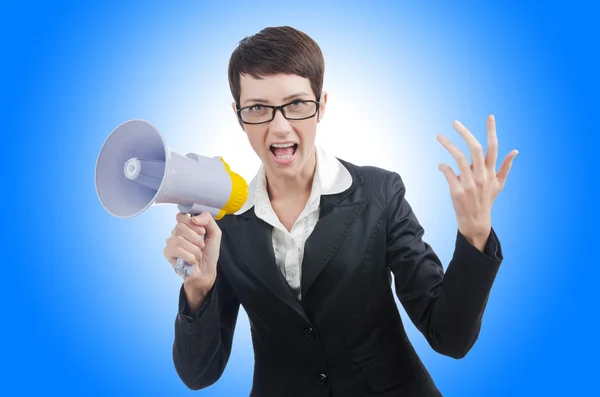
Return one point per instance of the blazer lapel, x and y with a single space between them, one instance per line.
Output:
331 230
252 240
337 215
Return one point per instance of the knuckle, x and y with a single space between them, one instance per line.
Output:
197 259
459 194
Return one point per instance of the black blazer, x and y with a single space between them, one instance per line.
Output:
345 337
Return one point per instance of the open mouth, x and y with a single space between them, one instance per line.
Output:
284 152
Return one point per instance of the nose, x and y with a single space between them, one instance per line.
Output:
280 125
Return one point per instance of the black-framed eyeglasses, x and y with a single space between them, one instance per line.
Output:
296 110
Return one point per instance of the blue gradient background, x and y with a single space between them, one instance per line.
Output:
89 302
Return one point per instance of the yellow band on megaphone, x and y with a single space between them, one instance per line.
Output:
238 196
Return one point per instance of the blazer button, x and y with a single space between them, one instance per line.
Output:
309 333
323 380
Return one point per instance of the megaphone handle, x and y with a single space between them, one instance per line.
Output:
183 268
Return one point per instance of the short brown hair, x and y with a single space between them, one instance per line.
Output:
275 50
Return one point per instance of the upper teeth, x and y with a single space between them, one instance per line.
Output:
282 144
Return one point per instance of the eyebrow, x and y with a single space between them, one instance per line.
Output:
287 98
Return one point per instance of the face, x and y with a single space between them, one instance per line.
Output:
267 139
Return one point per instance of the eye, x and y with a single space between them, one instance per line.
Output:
297 104
256 108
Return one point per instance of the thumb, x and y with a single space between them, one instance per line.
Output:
449 174
206 220
212 238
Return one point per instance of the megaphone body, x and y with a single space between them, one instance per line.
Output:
135 170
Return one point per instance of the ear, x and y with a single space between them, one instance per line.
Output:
322 105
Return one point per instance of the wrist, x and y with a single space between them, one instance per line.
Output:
194 297
478 240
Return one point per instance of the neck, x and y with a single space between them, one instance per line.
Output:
299 186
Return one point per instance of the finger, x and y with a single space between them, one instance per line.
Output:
182 242
506 166
475 148
461 159
173 253
188 220
191 235
182 217
453 180
206 220
471 171
492 149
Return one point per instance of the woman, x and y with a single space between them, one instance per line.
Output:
311 254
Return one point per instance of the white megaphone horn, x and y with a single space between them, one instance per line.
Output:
135 169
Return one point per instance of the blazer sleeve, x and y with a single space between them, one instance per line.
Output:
203 341
446 308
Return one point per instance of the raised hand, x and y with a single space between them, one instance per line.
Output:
474 190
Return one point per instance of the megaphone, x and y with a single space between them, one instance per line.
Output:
135 170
